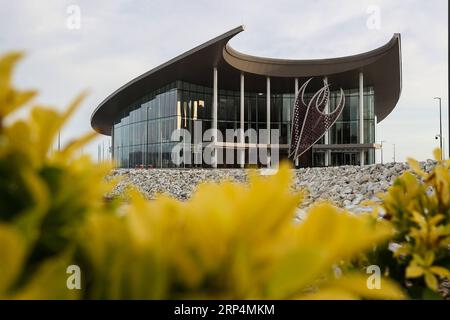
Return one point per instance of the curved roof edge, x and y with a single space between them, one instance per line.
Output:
96 122
305 67
382 70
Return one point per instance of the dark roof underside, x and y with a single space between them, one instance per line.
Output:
381 68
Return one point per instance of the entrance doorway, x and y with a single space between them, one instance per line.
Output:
350 158
344 158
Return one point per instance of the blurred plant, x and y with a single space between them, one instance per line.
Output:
44 195
228 241
418 206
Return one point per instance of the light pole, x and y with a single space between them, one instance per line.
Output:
394 151
382 150
440 124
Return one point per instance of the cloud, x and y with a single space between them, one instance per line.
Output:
119 40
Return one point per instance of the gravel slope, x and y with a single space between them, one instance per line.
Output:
346 186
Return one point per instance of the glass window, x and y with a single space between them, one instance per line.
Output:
318 159
284 134
222 109
232 104
369 112
142 131
286 109
262 108
208 107
250 108
369 131
354 134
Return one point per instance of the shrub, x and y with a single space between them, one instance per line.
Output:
418 206
228 241
44 195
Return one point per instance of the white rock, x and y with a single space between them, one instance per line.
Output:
347 186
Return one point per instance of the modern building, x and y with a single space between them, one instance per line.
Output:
219 87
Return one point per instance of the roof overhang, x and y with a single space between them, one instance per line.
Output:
381 68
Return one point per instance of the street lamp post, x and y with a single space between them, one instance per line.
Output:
394 151
382 150
440 124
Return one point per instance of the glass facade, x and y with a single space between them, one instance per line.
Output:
346 129
142 133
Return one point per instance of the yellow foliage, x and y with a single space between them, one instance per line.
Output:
12 254
355 285
228 241
10 99
44 195
419 208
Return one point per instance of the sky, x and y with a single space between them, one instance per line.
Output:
118 40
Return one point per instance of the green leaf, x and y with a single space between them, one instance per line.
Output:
428 294
441 271
429 258
431 281
414 271
12 254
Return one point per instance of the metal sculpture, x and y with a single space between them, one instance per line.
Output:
309 122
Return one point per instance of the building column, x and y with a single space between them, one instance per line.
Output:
361 115
214 123
242 121
292 115
268 119
327 133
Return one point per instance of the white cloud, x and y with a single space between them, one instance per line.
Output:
119 40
